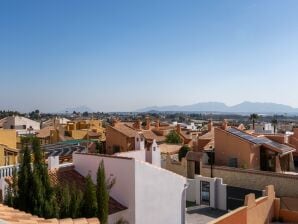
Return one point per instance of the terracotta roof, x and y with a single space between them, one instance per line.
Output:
68 175
208 135
13 216
186 134
125 130
93 134
45 132
150 135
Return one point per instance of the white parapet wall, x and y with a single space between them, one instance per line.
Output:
151 194
120 168
138 154
159 195
191 190
217 194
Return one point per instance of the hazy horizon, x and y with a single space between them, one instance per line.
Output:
126 55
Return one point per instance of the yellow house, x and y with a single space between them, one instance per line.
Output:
86 129
8 143
8 137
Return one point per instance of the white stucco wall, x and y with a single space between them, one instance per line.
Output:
53 162
139 142
139 155
120 168
191 190
152 194
158 195
156 156
221 194
18 121
218 191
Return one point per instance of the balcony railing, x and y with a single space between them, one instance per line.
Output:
6 171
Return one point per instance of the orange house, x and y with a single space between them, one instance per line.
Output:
236 148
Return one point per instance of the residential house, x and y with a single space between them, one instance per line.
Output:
85 129
237 148
264 128
123 137
22 125
9 153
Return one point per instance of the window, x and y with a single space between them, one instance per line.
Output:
137 139
154 148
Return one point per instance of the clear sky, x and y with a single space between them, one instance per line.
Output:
122 55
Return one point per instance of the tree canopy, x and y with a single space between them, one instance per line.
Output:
173 138
183 151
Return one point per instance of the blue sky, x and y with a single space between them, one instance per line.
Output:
124 55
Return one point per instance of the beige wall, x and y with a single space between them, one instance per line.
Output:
254 211
285 184
8 138
228 146
176 167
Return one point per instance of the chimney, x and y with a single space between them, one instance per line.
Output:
210 125
295 130
148 123
178 128
137 124
157 123
53 162
224 124
114 122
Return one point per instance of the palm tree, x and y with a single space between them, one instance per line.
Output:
274 123
253 118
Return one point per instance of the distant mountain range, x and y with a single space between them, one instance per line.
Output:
245 107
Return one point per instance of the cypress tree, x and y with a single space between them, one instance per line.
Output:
64 198
89 204
42 192
24 198
76 200
102 194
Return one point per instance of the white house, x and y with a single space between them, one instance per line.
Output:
264 128
22 125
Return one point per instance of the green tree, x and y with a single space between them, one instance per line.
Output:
42 191
102 194
89 204
75 202
183 151
24 197
253 118
99 147
173 138
64 199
